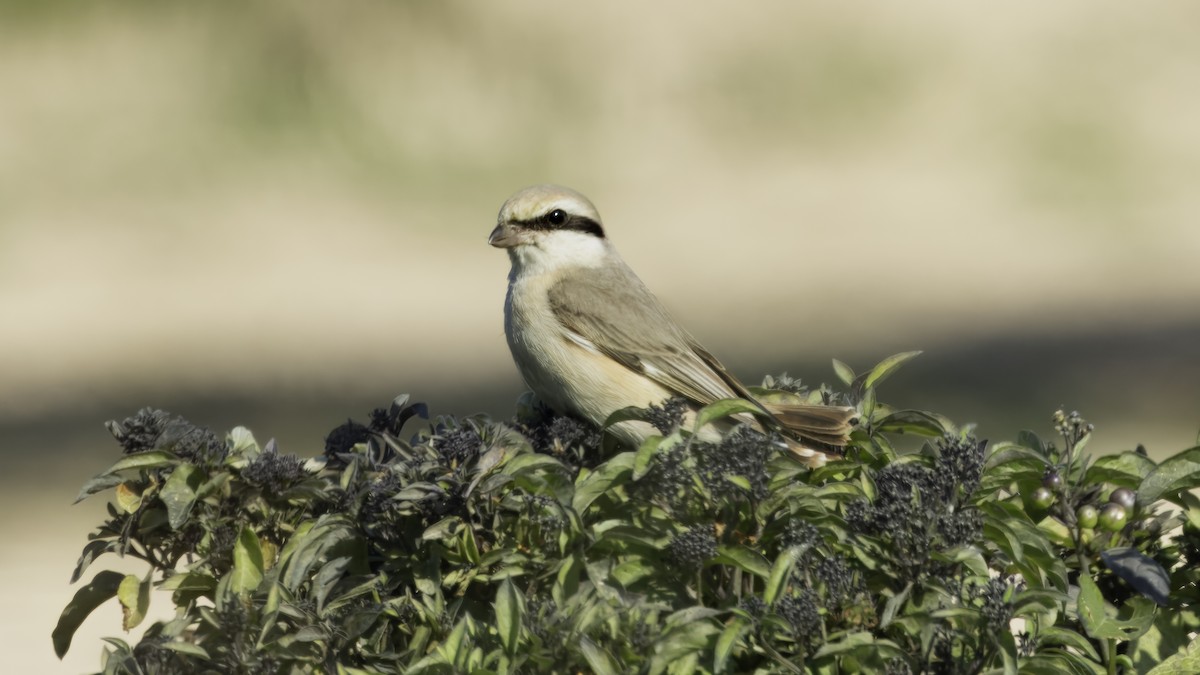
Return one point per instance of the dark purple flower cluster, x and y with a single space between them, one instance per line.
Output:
995 605
667 416
343 438
457 446
152 429
693 547
920 508
800 611
742 452
573 441
274 473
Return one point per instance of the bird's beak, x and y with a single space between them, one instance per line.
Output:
504 236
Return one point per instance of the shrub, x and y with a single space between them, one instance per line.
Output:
534 546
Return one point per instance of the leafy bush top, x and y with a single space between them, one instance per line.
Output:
534 546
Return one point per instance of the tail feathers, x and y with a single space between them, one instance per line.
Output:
822 423
810 457
825 427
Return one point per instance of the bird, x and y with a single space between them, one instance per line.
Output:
589 338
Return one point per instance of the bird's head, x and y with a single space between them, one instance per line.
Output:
550 226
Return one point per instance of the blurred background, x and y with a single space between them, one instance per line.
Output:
274 214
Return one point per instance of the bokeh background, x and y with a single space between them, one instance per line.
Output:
274 214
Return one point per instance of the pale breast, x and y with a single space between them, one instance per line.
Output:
570 375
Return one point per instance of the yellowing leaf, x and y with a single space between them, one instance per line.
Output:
128 497
134 594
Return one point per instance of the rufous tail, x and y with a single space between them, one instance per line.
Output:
818 430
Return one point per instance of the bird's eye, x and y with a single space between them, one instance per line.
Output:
556 217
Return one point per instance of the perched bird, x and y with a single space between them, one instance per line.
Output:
590 339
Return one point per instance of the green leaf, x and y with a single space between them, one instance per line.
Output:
330 537
1053 635
510 609
851 642
726 408
346 597
886 367
1094 616
740 481
780 571
187 648
93 550
179 493
843 372
1170 635
645 456
325 580
402 411
143 460
96 592
744 558
566 582
134 595
1059 662
915 422
1000 533
1172 476
189 581
98 484
485 465
1058 533
1140 571
470 547
630 414
522 465
1126 470
247 571
1184 662
591 485
1005 452
690 614
442 529
242 444
866 402
894 604
599 660
310 634
1030 440
452 645
1008 651
681 643
729 639
632 570
970 557
1030 601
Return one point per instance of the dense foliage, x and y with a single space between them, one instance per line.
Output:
535 546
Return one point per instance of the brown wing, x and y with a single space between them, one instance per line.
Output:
612 310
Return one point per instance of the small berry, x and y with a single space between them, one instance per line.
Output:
1087 516
1041 498
1113 517
1123 496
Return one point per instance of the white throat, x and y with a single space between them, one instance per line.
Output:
553 251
